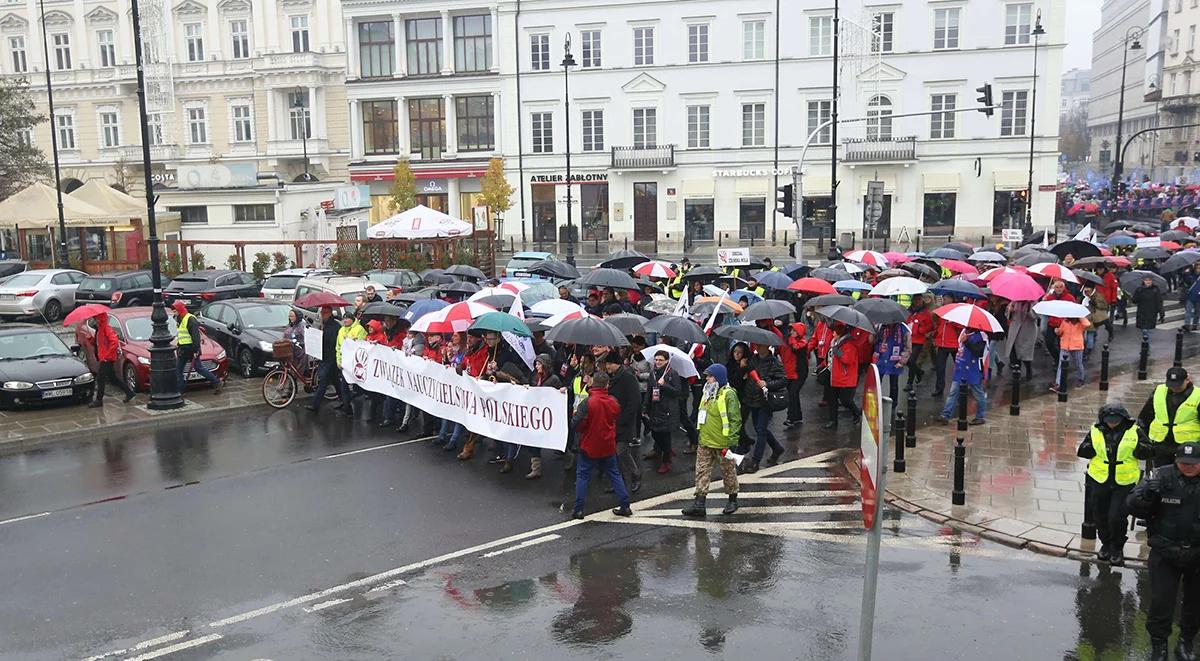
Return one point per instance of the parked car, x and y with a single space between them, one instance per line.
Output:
36 367
12 267
398 281
48 292
523 260
198 288
120 289
245 328
132 325
346 286
281 285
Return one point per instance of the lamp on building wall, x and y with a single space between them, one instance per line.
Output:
1134 35
300 103
567 63
1037 32
64 260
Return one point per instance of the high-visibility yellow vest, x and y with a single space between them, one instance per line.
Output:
1185 423
905 300
1126 466
579 390
182 337
354 331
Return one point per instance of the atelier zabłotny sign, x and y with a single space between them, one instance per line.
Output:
582 178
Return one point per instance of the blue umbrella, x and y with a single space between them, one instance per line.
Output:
424 307
795 270
1120 240
947 253
915 253
957 288
737 294
773 280
851 285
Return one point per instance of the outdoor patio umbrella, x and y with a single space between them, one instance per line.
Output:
630 324
847 316
769 309
603 278
679 328
587 330
623 259
750 334
882 311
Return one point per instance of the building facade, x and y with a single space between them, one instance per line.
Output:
1178 154
685 116
1076 91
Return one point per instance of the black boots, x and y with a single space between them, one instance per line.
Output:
731 506
1158 649
697 508
1183 650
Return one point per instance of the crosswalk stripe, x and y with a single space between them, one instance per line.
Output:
801 480
766 509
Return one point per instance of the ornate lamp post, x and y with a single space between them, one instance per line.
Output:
567 63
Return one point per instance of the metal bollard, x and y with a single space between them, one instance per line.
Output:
1014 406
1143 359
1104 369
959 495
1062 376
1178 348
911 437
627 243
1087 529
898 425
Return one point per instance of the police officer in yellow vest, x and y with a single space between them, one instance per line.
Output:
187 347
1113 446
1170 415
677 286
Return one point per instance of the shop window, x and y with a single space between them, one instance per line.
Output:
594 211
938 218
698 219
752 218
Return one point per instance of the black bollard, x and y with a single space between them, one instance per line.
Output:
1104 369
1178 348
898 425
1087 529
1062 376
959 495
1014 407
1143 358
911 419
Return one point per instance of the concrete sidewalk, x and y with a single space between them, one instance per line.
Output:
1024 484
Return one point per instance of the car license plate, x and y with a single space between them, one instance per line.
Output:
57 392
195 376
8 297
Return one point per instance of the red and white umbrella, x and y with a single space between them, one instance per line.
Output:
896 258
959 267
992 274
513 287
654 269
564 316
867 257
969 316
1054 271
452 318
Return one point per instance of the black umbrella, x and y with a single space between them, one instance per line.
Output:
498 301
828 274
603 278
894 273
1032 259
1037 237
1087 276
680 328
435 277
749 333
535 324
948 253
1089 262
769 309
1177 236
630 324
553 268
703 274
647 282
465 271
922 271
1077 248
796 270
1118 225
1132 280
734 281
414 296
1150 253
624 259
460 287
847 316
828 299
588 330
382 309
964 248
1178 261
882 311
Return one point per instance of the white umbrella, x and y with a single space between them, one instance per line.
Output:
1061 309
553 306
680 362
898 286
491 291
1187 220
419 222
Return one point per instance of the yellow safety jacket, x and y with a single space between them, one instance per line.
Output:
354 331
721 430
579 390
905 300
1185 422
182 337
1126 466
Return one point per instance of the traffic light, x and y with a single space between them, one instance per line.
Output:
792 249
783 200
985 99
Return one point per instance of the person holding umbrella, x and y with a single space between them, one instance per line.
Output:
1071 345
945 343
329 371
624 389
843 362
661 404
108 348
968 372
1097 306
765 375
1058 292
1149 301
920 323
893 347
1190 293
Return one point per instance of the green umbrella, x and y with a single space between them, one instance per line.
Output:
499 322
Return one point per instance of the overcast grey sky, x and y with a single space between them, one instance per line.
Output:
1083 18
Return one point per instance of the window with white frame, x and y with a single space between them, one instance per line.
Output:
820 36
254 213
542 126
107 47
16 52
243 122
1014 111
643 46
754 40
64 123
1187 84
25 137
110 129
299 114
593 130
1174 84
539 52
154 128
754 124
820 112
590 48
239 32
882 32
62 51
941 124
1018 23
945 28
1175 41
299 24
197 125
697 42
645 128
879 118
697 127
193 36
1191 38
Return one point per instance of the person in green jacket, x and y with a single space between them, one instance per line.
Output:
719 422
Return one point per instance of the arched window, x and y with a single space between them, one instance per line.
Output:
879 118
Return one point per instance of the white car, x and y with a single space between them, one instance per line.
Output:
49 293
281 285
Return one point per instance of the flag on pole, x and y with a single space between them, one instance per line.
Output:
1086 234
681 308
712 318
522 345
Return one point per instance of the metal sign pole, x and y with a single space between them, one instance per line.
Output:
866 626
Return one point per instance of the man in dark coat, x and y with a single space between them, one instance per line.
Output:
623 386
1149 302
662 407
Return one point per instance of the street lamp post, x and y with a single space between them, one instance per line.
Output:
164 385
1036 33
64 260
1134 33
567 63
301 105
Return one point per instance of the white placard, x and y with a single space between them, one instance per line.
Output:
312 342
733 256
1011 235
1149 242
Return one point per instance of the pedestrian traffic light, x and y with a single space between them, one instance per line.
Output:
985 99
792 249
783 200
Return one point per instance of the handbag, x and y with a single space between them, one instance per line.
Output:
777 400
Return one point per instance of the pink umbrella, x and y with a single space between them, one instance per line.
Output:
896 258
452 318
969 316
959 267
1105 252
654 269
1017 287
988 276
867 257
1169 245
85 312
1054 271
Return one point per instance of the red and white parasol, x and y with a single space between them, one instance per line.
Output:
867 257
455 318
969 316
654 269
1054 271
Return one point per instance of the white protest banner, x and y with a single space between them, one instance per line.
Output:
733 257
1149 241
515 414
312 342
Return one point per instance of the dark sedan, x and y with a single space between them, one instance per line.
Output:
36 367
246 328
198 288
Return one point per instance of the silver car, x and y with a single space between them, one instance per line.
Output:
48 293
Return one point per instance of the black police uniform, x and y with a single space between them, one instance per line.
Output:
1106 498
1170 503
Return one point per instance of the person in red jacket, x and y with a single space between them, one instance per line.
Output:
375 332
1111 290
844 358
595 423
794 354
107 350
945 346
920 323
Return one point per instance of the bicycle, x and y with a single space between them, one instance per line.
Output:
279 386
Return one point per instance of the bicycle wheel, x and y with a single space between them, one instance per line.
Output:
279 388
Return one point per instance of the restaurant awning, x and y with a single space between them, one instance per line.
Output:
37 206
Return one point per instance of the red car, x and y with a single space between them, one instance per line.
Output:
133 328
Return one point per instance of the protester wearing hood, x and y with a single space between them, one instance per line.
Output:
737 366
107 352
1113 446
294 333
1149 301
187 347
794 356
718 419
842 375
